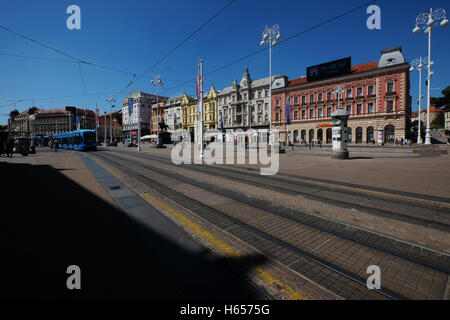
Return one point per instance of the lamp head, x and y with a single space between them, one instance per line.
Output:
262 43
416 30
411 69
265 37
431 22
274 43
278 38
444 23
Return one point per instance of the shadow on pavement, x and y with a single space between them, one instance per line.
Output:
48 222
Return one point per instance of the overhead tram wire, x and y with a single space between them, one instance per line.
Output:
179 45
281 42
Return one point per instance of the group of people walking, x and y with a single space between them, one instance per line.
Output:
7 148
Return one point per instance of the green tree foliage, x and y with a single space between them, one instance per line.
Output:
14 113
442 101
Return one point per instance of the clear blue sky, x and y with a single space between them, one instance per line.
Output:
132 35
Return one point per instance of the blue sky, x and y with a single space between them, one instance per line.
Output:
132 35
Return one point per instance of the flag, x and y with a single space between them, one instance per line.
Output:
287 111
130 106
97 116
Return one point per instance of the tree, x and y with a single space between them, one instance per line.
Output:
442 101
118 116
14 113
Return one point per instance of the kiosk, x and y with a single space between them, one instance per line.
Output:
340 134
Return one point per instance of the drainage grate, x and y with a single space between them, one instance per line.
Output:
115 188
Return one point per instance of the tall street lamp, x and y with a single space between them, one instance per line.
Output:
427 21
272 36
110 99
418 63
157 81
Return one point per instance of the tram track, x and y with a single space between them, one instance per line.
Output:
120 163
373 204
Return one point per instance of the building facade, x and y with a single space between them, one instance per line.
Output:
376 94
157 115
447 120
246 104
142 103
112 128
189 114
47 122
172 113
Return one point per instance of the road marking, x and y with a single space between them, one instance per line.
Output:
223 247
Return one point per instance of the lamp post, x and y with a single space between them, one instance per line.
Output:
110 99
104 123
427 21
418 63
157 81
272 36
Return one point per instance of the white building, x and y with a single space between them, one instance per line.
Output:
246 104
172 113
142 103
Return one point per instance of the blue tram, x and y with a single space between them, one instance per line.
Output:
81 140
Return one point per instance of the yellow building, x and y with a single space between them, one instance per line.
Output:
189 112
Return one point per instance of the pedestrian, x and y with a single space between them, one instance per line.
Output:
50 144
55 145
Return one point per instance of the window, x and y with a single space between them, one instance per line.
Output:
370 108
277 103
390 87
288 100
319 97
259 94
390 106
349 93
295 115
329 96
359 109
266 93
311 98
349 108
319 113
311 113
267 106
359 92
370 91
277 117
329 112
296 100
245 96
303 114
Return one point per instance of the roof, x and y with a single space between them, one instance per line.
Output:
415 114
101 121
355 69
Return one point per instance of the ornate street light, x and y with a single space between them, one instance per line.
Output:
157 81
272 36
110 99
427 21
418 63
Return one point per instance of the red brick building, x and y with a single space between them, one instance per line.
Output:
376 94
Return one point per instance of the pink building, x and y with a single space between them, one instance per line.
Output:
376 94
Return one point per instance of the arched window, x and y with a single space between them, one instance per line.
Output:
311 135
296 136
389 133
349 139
358 135
370 137
329 135
320 135
303 135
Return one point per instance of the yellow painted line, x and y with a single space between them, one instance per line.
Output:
360 190
223 247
